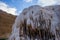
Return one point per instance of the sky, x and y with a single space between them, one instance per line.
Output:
15 7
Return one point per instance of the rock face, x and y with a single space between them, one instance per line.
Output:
36 23
6 22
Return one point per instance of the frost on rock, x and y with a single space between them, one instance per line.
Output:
36 23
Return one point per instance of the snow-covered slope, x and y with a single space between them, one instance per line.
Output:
36 23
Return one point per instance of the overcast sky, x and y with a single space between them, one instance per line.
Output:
15 7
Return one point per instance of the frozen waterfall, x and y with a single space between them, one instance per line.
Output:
35 23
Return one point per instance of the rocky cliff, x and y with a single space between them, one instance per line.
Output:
6 22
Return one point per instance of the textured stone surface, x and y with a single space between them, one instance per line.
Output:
6 22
